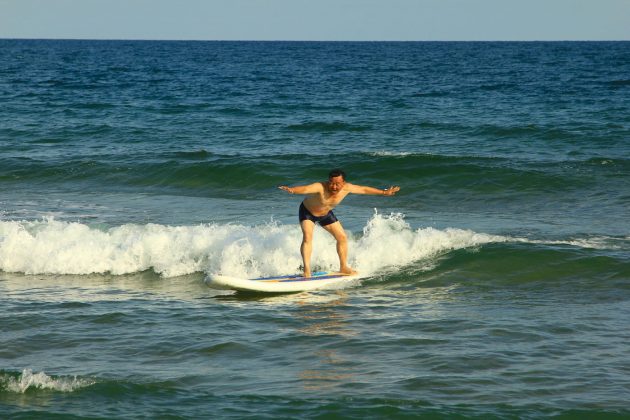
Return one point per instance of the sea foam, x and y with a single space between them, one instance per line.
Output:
57 247
29 380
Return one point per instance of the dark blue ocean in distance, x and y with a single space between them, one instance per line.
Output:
497 281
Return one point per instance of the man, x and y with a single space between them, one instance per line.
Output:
321 199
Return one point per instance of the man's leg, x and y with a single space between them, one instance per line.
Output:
307 245
336 230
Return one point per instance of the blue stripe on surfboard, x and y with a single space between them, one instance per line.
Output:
292 276
294 279
335 276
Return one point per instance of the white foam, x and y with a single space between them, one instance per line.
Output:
600 242
390 241
27 379
385 153
57 247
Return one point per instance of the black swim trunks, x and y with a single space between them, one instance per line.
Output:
322 220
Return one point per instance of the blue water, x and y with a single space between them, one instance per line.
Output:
497 281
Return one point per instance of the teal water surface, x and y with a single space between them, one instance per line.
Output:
498 279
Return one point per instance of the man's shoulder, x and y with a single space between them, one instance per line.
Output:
350 187
315 187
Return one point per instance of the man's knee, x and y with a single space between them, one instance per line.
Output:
341 238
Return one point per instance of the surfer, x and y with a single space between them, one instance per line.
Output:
321 199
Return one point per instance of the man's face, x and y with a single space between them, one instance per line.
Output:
335 184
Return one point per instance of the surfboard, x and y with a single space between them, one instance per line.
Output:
281 284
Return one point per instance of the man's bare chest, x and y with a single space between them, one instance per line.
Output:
332 200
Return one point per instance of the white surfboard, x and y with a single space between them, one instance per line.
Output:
281 284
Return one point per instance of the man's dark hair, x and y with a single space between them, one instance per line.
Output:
337 172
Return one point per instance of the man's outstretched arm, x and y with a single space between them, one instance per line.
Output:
303 189
360 189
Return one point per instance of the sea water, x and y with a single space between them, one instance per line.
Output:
498 278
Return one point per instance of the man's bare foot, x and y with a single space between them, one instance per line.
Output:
307 274
347 270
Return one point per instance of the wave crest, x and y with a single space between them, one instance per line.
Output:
56 247
390 241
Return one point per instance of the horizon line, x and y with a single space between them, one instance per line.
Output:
303 40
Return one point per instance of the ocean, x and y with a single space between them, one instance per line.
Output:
497 280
